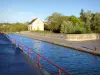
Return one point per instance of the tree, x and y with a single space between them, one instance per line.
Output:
15 27
76 20
54 21
63 27
86 18
78 29
67 27
96 23
82 17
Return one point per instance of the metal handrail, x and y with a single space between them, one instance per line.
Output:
60 70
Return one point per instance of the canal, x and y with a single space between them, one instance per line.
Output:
74 61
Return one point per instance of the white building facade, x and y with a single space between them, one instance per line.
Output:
36 25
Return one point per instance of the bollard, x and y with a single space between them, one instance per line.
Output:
59 72
23 48
19 44
15 44
95 48
28 52
14 41
38 56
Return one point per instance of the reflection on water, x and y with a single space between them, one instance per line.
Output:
38 45
75 62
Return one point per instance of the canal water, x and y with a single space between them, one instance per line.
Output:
75 62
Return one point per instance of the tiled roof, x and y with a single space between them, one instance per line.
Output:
32 21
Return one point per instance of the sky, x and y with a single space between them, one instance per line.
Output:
25 10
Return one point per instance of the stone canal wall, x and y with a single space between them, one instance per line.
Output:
82 37
69 37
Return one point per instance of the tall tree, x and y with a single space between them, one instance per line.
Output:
55 21
76 21
96 22
82 17
67 27
86 17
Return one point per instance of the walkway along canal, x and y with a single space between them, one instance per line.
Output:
73 61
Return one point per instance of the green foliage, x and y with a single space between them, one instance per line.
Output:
78 29
63 27
86 18
91 21
82 17
74 19
17 27
87 22
54 22
96 23
64 24
66 27
69 27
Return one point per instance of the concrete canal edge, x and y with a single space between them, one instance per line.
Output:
64 45
82 37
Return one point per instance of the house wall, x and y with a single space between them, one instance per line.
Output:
37 25
30 27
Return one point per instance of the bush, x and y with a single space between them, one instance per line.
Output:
13 28
68 27
79 30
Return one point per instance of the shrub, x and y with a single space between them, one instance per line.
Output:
68 27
